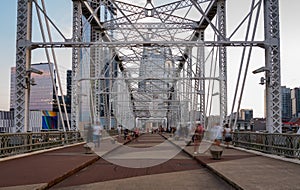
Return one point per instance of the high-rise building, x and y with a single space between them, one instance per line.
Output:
6 121
68 96
42 103
155 70
42 96
286 104
246 114
69 83
12 87
295 96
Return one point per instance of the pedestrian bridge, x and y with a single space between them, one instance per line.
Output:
149 63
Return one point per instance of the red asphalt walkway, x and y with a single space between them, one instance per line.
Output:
44 169
243 169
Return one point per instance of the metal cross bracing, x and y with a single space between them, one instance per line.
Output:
155 59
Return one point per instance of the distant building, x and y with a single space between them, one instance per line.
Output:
155 67
43 104
258 124
42 96
6 121
291 126
68 97
295 96
286 104
12 88
246 114
244 120
69 83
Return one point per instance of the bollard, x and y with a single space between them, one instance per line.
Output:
216 152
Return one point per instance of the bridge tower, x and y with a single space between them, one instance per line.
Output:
272 63
23 59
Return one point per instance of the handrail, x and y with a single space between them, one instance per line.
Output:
18 143
283 144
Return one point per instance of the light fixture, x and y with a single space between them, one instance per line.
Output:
262 69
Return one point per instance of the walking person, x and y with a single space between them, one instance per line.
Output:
97 133
126 133
198 135
89 134
227 134
217 134
119 128
136 134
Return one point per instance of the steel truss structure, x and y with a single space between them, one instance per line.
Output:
165 62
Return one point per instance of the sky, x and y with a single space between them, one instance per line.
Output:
254 93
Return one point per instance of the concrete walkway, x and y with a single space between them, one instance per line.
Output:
251 170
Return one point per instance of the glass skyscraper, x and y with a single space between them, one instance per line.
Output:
295 96
286 104
42 96
246 114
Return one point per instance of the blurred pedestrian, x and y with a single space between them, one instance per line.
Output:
126 133
227 134
97 133
119 128
136 134
89 134
217 134
198 136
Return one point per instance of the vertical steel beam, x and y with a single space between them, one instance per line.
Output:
189 87
199 96
272 62
221 14
97 69
201 91
23 58
77 14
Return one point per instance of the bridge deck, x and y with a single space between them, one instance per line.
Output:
242 169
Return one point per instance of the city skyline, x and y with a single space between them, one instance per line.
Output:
288 13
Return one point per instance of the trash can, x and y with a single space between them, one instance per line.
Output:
216 152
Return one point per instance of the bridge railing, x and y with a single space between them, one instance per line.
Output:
18 143
284 144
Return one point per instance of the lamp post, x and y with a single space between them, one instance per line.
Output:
28 83
268 96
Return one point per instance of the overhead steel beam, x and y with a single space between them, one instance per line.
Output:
35 45
128 26
104 35
207 16
210 13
